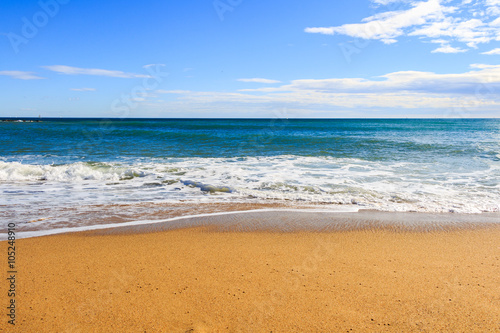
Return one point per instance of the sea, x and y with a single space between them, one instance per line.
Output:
57 170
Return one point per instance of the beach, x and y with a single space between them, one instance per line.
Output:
250 166
267 277
250 225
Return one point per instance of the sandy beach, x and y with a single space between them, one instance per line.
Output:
210 279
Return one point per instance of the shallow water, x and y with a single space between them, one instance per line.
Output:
431 165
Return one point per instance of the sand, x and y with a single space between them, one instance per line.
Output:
204 279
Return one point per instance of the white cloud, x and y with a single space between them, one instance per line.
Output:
444 19
495 23
446 48
389 25
68 70
83 89
328 101
493 7
161 91
407 81
259 80
153 65
483 66
20 75
475 89
385 2
439 41
492 52
145 95
471 32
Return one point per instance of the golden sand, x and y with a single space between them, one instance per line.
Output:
203 280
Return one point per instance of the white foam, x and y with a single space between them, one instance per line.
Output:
30 191
75 172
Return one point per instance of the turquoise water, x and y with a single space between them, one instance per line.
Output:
65 141
433 165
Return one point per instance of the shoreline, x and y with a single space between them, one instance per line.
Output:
279 218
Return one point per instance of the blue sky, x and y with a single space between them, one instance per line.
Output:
244 58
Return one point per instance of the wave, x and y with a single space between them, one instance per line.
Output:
15 171
470 187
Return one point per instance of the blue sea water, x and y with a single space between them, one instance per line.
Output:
432 165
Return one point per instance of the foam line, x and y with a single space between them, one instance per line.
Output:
39 233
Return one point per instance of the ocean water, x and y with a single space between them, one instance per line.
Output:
426 165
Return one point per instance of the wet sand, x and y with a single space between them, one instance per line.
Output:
384 274
89 215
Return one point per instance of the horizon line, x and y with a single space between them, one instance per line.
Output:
238 118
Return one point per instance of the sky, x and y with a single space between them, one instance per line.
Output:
248 59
